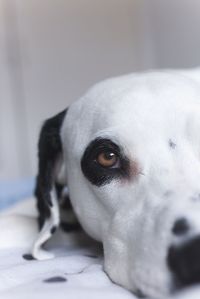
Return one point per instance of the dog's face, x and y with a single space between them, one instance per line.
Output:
132 154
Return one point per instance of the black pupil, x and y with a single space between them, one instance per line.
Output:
108 155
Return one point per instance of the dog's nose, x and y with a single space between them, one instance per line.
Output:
180 227
184 262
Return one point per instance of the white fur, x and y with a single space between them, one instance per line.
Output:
45 233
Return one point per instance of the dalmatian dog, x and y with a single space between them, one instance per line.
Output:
129 153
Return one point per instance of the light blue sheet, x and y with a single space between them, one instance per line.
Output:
12 192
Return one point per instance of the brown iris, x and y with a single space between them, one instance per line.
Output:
107 159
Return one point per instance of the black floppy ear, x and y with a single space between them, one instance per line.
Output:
50 194
49 151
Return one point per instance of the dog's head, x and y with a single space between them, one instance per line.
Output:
131 150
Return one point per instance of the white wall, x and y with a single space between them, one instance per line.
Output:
175 27
52 51
10 119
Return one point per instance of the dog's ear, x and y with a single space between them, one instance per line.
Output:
49 153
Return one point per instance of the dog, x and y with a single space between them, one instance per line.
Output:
129 153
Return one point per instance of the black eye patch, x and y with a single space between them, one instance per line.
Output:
97 174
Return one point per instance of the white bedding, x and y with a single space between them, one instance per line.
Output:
76 272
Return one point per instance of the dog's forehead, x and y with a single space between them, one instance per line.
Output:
160 105
149 93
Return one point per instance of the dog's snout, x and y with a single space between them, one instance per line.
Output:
181 227
184 262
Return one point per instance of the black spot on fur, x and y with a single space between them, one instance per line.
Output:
180 227
55 279
97 174
172 144
28 257
184 262
49 149
53 229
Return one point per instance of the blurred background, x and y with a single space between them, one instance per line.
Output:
51 52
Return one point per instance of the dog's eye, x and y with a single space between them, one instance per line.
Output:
104 161
107 159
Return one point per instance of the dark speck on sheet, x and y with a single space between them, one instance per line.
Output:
55 279
28 257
